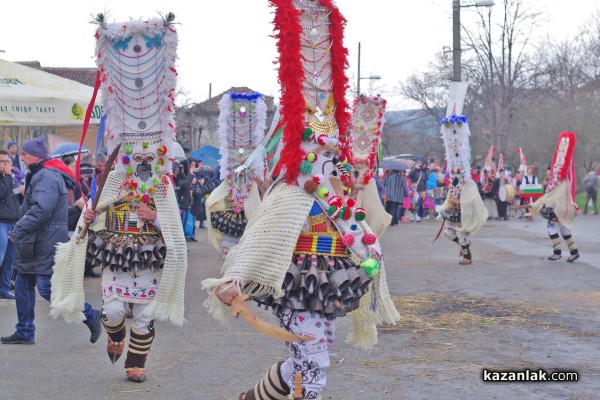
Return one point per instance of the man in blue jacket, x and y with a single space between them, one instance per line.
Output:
42 225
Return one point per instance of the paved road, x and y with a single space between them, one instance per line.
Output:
511 309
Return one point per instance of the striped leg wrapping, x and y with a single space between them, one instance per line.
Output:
556 243
139 347
571 244
116 332
116 339
271 387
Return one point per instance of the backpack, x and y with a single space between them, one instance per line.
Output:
590 189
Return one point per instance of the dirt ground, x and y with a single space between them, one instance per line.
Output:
510 309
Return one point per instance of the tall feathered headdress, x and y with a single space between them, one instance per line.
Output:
563 166
455 134
136 60
242 119
302 75
366 127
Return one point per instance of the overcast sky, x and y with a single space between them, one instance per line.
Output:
227 42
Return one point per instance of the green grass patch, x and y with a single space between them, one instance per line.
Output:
580 200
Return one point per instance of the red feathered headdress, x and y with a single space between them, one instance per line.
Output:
563 166
291 75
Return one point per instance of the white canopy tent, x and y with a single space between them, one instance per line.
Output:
31 97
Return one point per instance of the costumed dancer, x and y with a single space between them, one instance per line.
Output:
558 205
308 253
241 126
487 180
137 239
463 211
366 128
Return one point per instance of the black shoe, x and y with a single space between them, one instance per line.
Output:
15 338
573 258
7 296
96 327
506 218
193 239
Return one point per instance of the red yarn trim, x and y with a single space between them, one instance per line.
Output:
288 31
339 64
568 169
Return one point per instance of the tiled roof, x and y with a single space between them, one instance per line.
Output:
86 76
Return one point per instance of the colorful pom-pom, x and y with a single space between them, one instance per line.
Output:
336 212
331 210
143 187
323 140
310 187
348 240
347 214
305 168
129 171
151 190
371 267
125 160
145 145
157 169
360 214
353 227
369 239
319 178
311 157
127 148
155 181
341 213
162 150
323 193
146 198
335 201
349 167
308 133
350 202
161 161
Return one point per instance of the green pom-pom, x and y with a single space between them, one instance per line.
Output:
305 168
371 267
143 187
127 149
342 212
157 169
323 192
145 145
129 170
307 134
331 210
155 181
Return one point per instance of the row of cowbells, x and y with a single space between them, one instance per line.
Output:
328 293
126 254
229 222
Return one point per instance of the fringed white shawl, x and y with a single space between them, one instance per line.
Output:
68 296
216 202
473 214
377 218
259 262
561 200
